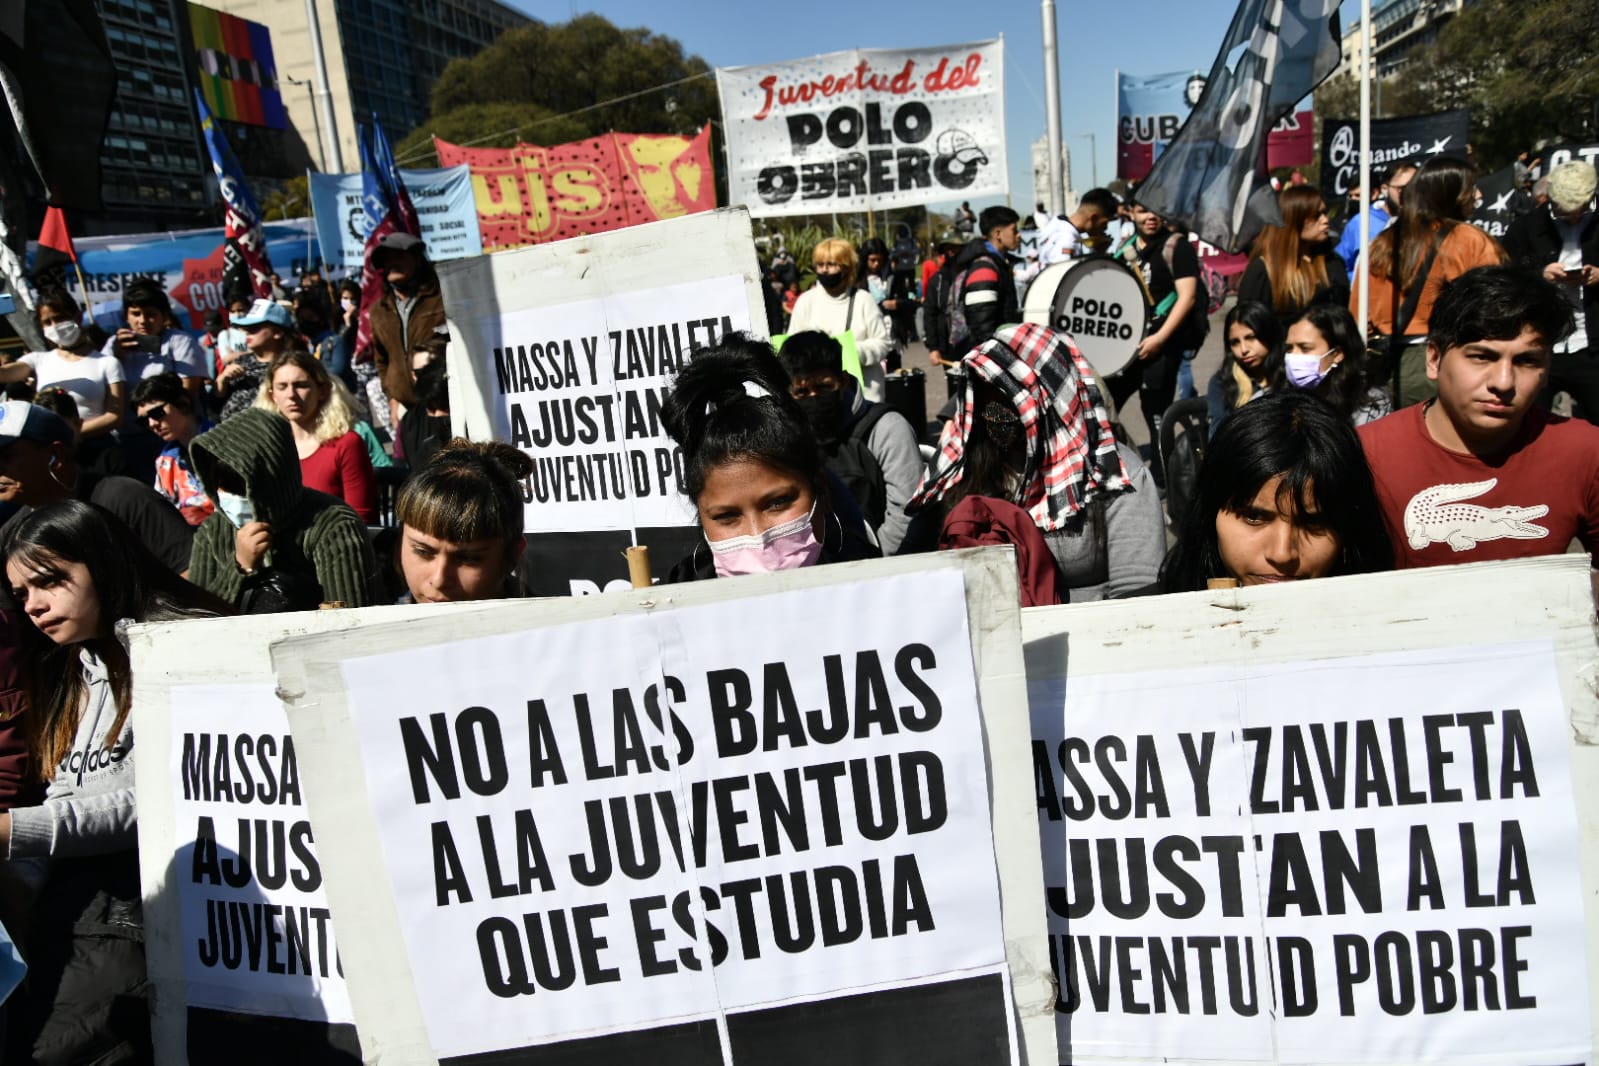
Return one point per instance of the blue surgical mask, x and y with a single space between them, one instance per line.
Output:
238 509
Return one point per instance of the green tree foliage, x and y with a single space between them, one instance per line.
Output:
291 199
568 69
1528 70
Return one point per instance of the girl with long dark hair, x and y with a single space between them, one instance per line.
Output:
1324 354
1284 494
76 572
1254 350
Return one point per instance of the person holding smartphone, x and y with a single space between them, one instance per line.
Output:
151 343
1560 240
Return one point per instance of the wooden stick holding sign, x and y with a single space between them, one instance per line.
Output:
638 566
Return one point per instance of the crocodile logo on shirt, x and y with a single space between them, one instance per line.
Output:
1438 515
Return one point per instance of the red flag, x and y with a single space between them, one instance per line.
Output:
55 245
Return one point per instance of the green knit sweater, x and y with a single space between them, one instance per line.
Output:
313 533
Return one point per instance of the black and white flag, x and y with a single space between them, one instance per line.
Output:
1210 178
1410 139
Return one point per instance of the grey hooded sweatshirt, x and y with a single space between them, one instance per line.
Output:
88 807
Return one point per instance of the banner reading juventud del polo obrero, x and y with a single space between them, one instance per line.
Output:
863 129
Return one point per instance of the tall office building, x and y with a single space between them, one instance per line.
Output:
382 56
1398 27
155 172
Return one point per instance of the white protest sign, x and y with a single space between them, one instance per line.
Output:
1361 857
235 915
569 348
867 128
633 822
257 933
581 386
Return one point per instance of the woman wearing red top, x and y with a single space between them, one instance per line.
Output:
333 458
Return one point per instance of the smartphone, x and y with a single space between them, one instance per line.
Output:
149 343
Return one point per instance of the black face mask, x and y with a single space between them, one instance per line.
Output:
825 413
830 281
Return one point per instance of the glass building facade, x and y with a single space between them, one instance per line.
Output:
155 170
394 50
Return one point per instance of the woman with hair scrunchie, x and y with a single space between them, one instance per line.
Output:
754 471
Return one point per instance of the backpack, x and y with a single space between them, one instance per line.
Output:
933 318
1197 328
957 334
904 256
853 463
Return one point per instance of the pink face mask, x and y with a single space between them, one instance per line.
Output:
785 547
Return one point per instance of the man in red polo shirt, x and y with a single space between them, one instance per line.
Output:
1482 472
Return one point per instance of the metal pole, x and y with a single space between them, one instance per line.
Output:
316 120
330 126
1363 268
1057 187
1116 95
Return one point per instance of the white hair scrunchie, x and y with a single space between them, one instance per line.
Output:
753 389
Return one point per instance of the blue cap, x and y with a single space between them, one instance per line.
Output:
263 311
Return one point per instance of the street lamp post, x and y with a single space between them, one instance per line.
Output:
310 94
1057 187
1093 156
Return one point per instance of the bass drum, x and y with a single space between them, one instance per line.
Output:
1094 300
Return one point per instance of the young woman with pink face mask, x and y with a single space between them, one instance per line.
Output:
754 471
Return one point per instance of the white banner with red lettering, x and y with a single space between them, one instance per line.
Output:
867 128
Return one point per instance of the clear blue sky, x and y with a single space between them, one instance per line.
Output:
1095 38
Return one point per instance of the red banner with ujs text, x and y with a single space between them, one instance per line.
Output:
530 195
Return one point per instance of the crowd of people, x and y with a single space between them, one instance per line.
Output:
271 466
148 474
1334 446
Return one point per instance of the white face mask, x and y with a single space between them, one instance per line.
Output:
63 334
238 509
1304 371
